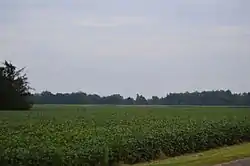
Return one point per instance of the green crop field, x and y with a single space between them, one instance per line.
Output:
106 135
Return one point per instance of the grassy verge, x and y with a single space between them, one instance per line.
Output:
209 158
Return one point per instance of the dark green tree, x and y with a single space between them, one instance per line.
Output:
155 100
140 100
14 88
129 101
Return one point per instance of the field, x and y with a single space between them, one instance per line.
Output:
106 135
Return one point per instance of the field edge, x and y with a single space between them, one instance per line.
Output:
210 157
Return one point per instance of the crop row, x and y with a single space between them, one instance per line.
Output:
143 138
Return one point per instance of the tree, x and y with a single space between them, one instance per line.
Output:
140 100
154 100
129 101
14 88
113 99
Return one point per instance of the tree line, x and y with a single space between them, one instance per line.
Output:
15 95
218 97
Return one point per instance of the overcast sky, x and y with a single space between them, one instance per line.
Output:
150 47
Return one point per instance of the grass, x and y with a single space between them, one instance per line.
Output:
76 135
209 158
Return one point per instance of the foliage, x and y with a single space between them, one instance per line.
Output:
14 88
106 135
140 100
194 98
